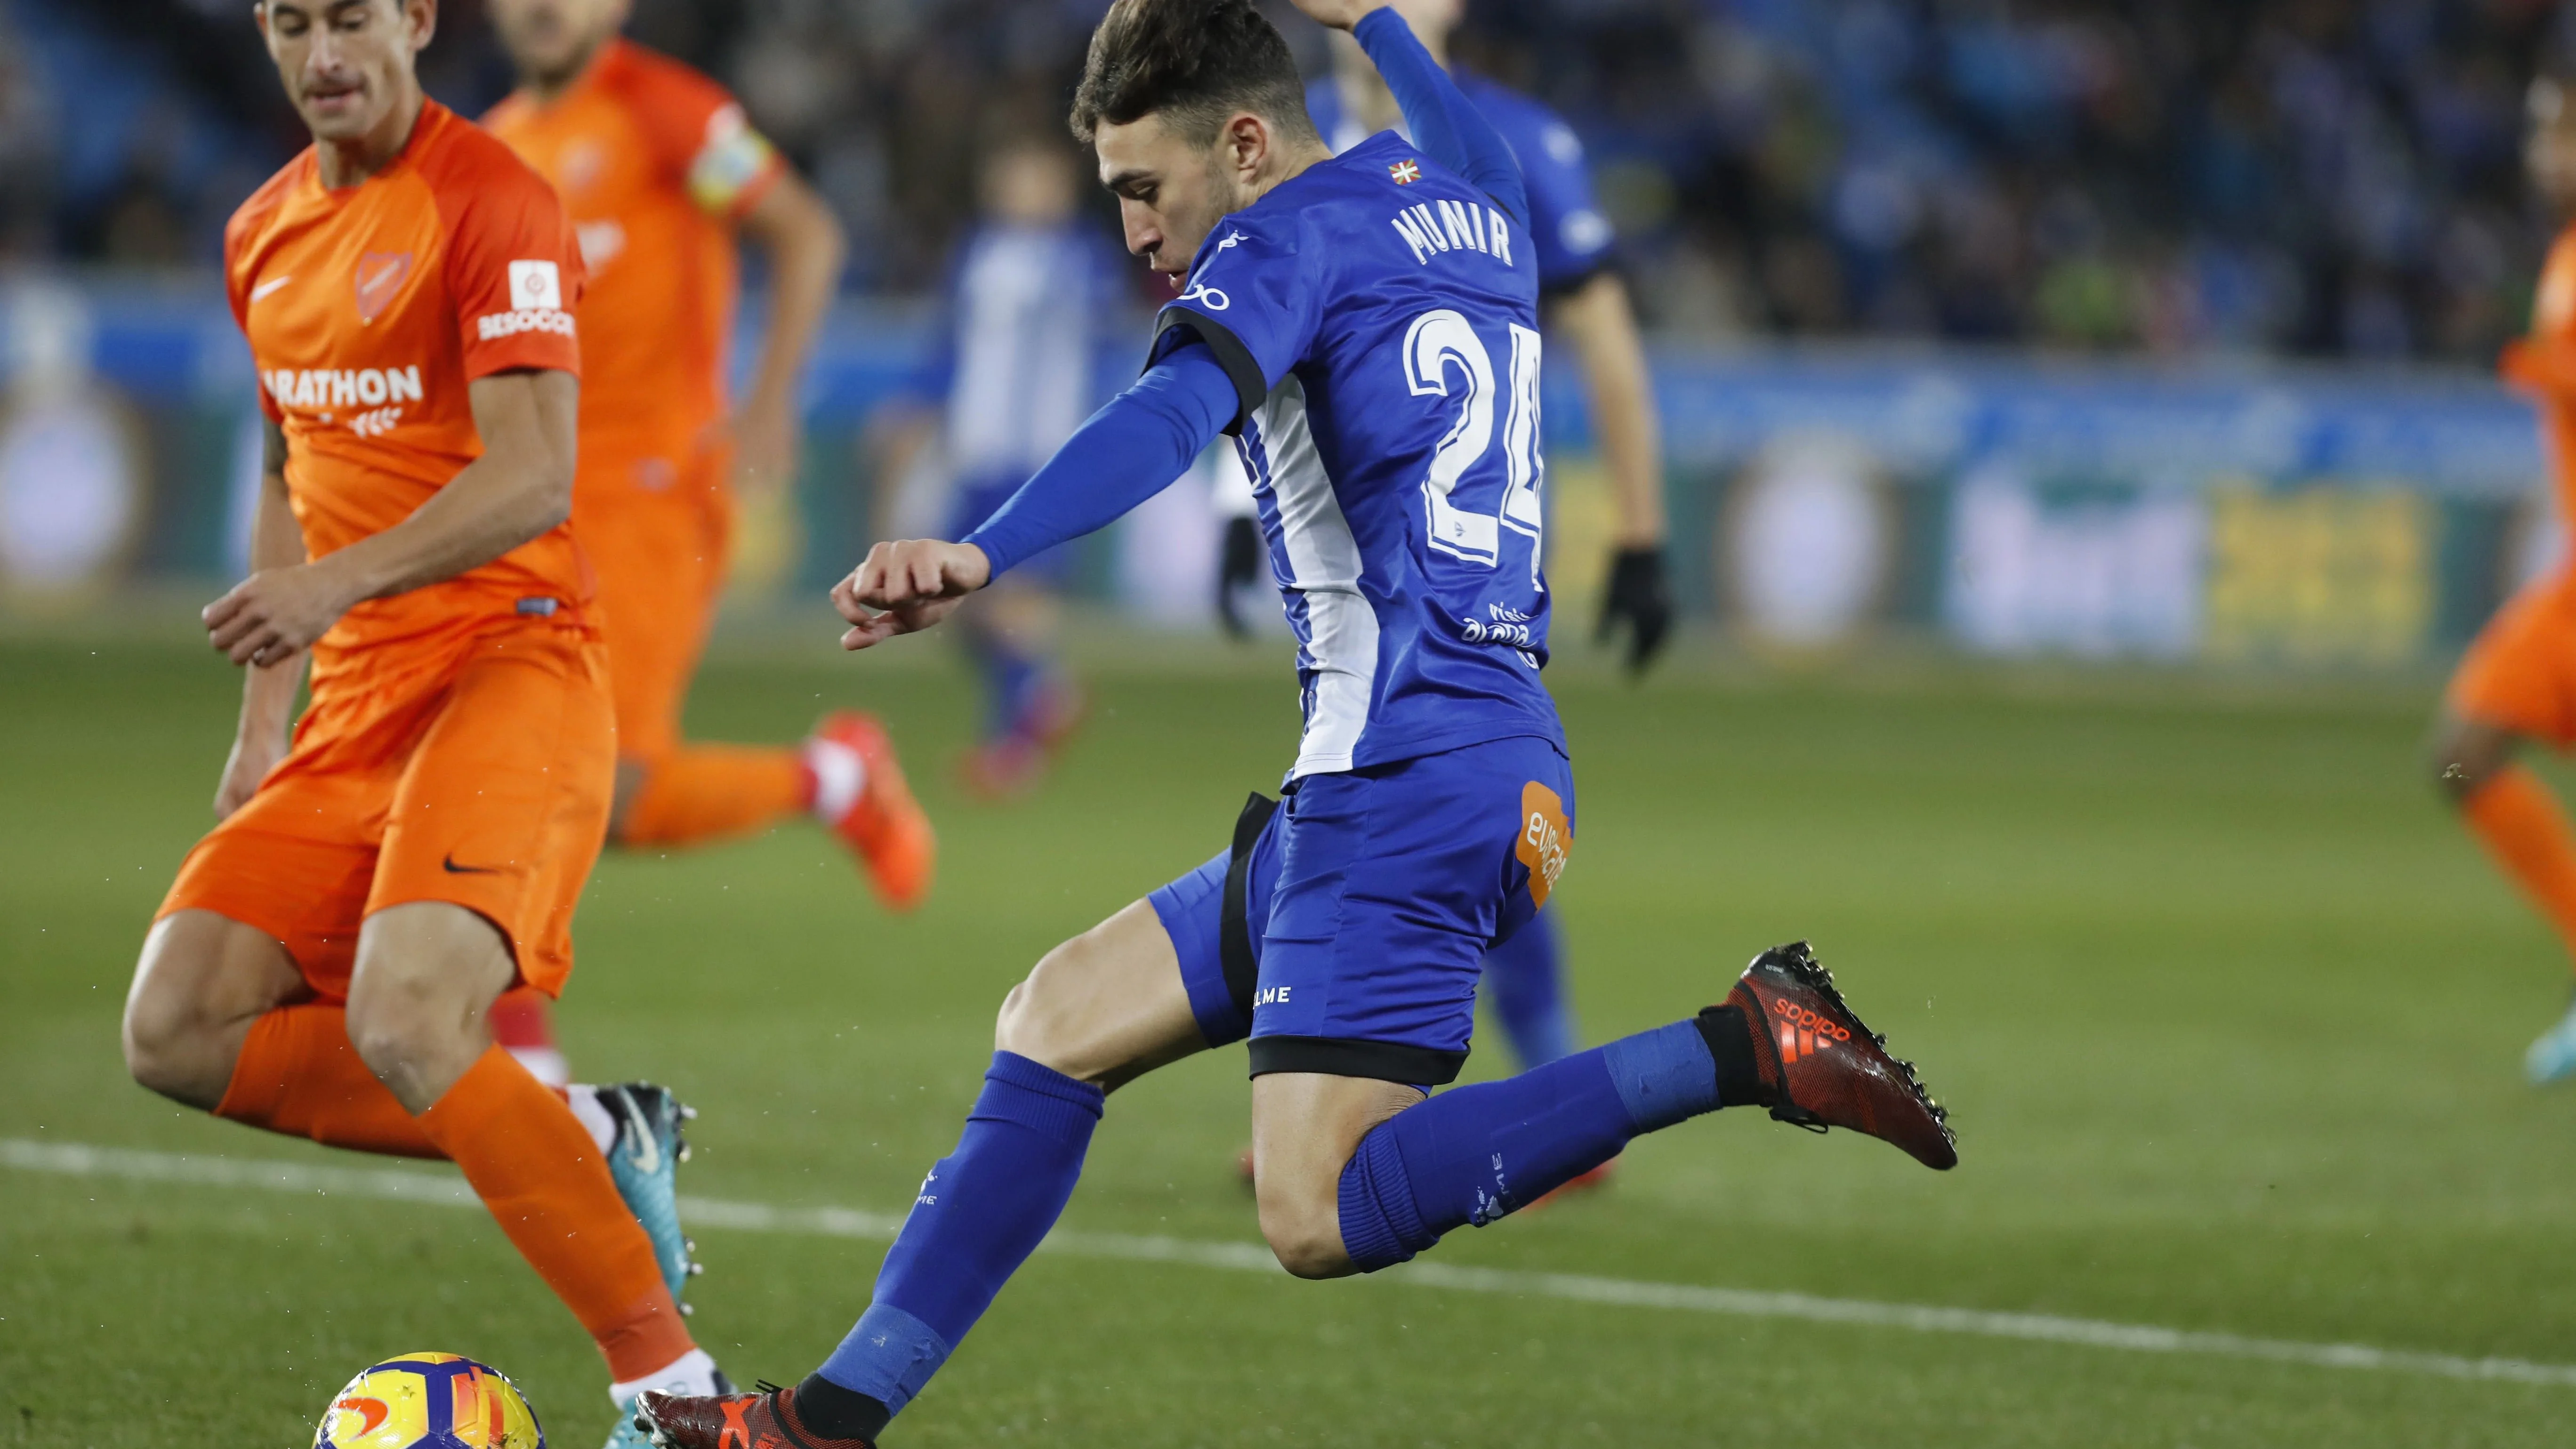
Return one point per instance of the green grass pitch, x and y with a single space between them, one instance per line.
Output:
2229 1012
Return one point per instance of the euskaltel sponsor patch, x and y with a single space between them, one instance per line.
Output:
1546 840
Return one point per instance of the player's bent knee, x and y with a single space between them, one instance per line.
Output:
164 1049
391 1033
425 974
2467 755
2454 773
1306 1238
157 1052
154 1031
1301 1220
199 984
1041 1022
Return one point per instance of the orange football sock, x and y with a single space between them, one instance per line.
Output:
2519 821
705 792
535 1167
297 1074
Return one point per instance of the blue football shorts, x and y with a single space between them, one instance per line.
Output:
1345 929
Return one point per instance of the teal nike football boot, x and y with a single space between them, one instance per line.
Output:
2553 1057
645 1161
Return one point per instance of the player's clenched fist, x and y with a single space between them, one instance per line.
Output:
907 586
267 617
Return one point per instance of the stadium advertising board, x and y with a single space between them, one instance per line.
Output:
2304 517
2233 513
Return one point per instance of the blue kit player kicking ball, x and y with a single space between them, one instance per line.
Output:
1366 326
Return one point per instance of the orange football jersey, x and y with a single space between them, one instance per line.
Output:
369 308
2544 364
655 163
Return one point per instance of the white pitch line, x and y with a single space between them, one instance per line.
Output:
419 1186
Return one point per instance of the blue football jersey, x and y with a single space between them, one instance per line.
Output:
1572 238
1379 317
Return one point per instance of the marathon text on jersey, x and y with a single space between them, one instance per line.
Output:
311 389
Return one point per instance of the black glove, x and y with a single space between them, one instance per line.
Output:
1239 568
1639 595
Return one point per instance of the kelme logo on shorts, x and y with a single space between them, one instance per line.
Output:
1546 840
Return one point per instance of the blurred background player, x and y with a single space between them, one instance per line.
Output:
2517 683
660 172
1028 298
1583 301
323 964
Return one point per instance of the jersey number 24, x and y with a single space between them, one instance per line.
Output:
1438 343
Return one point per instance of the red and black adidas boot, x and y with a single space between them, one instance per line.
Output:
765 1420
1820 1067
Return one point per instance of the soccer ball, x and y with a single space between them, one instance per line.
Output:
429 1401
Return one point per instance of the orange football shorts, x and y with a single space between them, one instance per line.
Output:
472 766
2520 673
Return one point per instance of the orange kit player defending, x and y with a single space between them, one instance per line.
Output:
323 964
659 172
2518 682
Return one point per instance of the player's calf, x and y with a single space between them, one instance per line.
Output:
1783 1040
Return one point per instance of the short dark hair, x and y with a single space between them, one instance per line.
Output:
1195 61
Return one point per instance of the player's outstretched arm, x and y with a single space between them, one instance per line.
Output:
518 489
1129 451
268 691
1445 124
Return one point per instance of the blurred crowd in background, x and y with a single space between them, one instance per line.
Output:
2315 177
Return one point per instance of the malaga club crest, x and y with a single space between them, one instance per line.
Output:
380 276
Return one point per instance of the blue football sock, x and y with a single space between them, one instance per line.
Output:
1011 681
980 1214
1525 977
1475 1153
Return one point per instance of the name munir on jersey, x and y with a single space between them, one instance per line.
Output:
1454 226
1380 326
